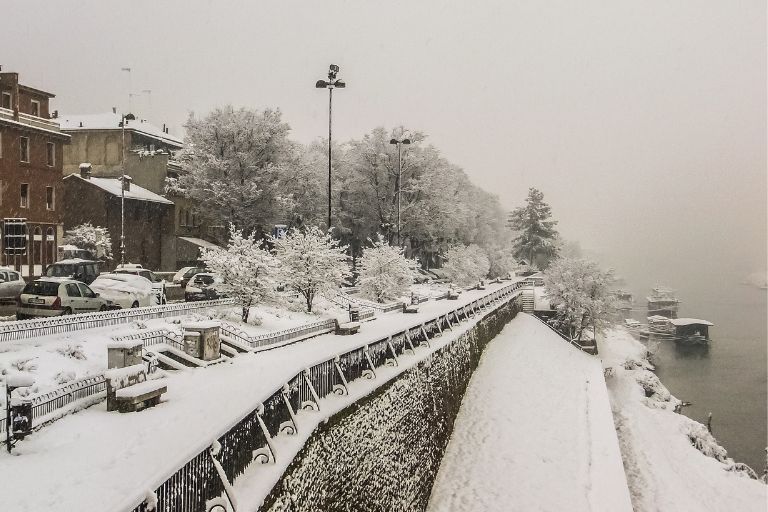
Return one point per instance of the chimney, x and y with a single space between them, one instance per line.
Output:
127 182
114 110
85 171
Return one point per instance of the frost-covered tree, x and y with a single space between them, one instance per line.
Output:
311 262
94 239
249 272
536 239
385 272
502 259
465 265
232 160
580 293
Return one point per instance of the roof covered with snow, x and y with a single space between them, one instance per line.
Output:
689 321
198 242
110 121
114 187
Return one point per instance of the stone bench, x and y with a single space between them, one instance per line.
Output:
139 396
348 328
128 389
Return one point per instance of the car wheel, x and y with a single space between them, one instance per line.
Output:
135 304
67 311
103 307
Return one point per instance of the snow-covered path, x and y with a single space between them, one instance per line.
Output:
534 431
96 461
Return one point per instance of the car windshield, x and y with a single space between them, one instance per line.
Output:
45 288
204 280
189 273
64 270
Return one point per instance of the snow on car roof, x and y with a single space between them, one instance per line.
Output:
72 261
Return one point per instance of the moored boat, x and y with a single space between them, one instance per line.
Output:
662 302
691 330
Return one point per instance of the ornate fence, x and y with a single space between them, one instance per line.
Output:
272 338
250 439
24 329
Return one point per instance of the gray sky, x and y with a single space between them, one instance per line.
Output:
644 123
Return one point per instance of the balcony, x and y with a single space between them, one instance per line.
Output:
30 120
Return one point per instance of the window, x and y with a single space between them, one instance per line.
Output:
13 276
49 235
15 236
86 291
50 154
24 146
35 108
24 195
73 290
50 198
5 102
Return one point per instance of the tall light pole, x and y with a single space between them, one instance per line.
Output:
331 84
399 143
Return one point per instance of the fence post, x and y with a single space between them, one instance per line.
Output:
290 430
228 490
370 364
311 388
408 340
345 385
267 436
392 350
426 338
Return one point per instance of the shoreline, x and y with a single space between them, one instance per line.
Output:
672 461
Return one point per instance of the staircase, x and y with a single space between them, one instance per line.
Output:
527 300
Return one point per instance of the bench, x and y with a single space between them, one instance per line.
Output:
452 295
128 389
139 396
348 328
410 308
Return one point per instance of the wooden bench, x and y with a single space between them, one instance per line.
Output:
348 328
139 396
128 389
410 308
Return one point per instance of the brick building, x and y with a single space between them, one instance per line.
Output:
149 218
31 158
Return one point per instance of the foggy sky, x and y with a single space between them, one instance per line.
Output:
644 123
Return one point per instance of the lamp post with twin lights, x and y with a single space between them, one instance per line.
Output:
332 83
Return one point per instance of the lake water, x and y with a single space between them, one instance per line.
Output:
727 377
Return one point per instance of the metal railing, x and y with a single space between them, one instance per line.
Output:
342 299
24 329
250 439
273 338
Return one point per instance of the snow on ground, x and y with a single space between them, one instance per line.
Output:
95 460
664 470
59 358
534 431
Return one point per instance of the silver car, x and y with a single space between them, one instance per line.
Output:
54 296
11 284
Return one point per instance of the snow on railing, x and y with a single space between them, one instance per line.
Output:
23 329
155 337
250 438
342 299
272 338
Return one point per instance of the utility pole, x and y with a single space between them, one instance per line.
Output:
331 84
399 143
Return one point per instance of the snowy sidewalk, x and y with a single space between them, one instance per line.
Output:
96 461
534 431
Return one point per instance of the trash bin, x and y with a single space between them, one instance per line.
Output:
21 419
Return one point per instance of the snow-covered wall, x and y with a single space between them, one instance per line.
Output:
383 453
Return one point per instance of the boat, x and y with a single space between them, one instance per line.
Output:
659 325
662 302
624 300
691 331
636 328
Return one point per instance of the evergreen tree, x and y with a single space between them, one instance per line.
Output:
537 237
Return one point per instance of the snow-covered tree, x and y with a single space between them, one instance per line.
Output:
580 293
94 239
502 259
249 272
311 262
536 240
232 160
385 272
465 265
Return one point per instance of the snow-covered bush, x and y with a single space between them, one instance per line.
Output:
73 351
704 441
465 265
64 376
25 364
385 272
248 272
94 239
580 293
311 262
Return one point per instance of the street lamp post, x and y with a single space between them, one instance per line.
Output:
399 143
331 84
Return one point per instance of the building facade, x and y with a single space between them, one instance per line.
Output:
150 238
31 189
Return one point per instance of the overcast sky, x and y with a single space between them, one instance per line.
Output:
643 122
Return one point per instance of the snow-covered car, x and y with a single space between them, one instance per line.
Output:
185 274
158 284
202 287
78 269
11 284
54 296
125 290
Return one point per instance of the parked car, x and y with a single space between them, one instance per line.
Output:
54 296
203 287
125 291
74 268
183 276
158 284
11 284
